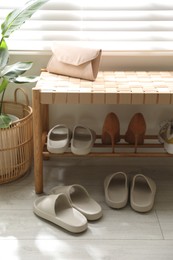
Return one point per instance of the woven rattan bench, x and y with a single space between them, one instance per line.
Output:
110 87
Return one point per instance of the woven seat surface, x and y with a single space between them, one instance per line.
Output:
110 87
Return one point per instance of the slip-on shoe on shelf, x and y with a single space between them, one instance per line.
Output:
58 210
116 190
80 200
142 193
58 139
82 141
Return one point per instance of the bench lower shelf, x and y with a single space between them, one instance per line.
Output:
150 148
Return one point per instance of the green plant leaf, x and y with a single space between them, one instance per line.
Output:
17 17
5 121
4 55
4 84
16 69
21 80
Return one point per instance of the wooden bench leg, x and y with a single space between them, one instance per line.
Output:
37 138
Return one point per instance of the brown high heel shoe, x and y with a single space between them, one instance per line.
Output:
136 130
111 130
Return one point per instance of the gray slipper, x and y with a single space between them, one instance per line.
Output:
116 190
58 210
142 193
82 141
58 139
80 200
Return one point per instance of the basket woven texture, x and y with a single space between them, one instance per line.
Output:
16 142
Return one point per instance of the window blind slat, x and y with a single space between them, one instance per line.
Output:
131 26
106 45
97 36
113 25
76 15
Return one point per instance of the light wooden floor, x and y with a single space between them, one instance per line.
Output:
119 235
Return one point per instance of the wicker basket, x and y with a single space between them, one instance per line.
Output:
16 142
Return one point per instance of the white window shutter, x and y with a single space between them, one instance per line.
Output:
126 25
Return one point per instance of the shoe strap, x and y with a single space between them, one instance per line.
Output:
147 179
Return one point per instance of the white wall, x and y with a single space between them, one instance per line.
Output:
93 115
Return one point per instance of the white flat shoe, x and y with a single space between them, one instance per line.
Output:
82 141
58 139
116 190
142 193
58 210
80 200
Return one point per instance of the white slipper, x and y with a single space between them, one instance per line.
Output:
58 139
142 193
80 200
58 210
82 141
116 190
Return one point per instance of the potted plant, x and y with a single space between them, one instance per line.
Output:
15 152
13 73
